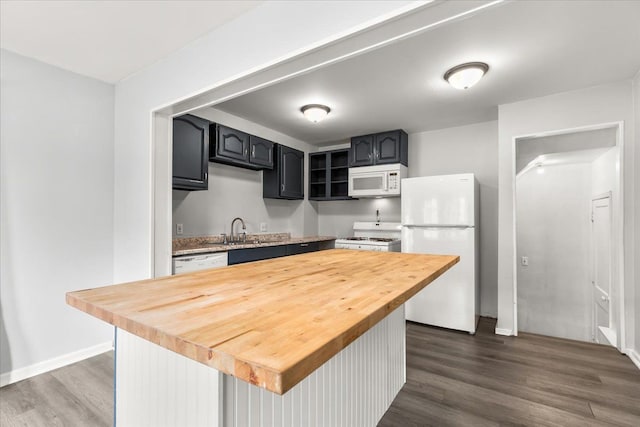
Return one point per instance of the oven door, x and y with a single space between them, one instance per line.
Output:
368 183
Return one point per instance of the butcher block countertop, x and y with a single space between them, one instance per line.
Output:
270 323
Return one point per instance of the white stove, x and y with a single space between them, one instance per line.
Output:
373 236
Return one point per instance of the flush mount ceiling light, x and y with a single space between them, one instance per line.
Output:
464 76
315 112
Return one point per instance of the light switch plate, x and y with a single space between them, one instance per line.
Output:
525 260
263 226
179 229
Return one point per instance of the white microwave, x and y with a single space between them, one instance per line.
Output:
376 181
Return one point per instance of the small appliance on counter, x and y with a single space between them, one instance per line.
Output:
440 216
373 236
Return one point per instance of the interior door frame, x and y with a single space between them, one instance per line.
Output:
606 195
617 219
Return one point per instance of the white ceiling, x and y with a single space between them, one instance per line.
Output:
566 158
534 48
528 149
109 40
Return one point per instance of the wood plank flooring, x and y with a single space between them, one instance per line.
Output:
76 395
453 379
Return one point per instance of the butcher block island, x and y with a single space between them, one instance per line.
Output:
311 339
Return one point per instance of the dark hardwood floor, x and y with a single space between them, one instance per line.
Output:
453 378
457 379
76 395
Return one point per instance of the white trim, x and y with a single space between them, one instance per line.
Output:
618 218
609 334
619 238
504 331
634 356
55 363
514 233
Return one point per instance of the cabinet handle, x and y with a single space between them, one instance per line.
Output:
304 245
369 155
253 151
246 151
282 187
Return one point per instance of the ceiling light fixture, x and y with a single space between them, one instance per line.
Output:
315 112
464 76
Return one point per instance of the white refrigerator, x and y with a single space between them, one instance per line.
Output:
440 216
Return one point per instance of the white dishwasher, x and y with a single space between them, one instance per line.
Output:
189 263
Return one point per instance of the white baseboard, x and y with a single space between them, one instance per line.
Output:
634 356
503 331
51 364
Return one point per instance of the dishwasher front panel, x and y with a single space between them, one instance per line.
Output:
190 263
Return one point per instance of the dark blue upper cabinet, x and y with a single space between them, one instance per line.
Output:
261 152
232 144
362 150
190 153
237 148
381 148
286 180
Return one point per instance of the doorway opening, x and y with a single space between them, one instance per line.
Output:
569 234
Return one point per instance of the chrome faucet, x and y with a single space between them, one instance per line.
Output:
231 239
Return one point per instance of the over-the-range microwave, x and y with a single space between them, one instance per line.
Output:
376 181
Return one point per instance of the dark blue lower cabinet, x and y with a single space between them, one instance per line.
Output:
238 256
301 248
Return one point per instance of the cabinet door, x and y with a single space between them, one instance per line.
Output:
302 248
190 153
362 150
387 148
238 256
232 144
261 152
291 173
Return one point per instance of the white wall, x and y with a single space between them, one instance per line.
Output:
553 231
237 192
57 208
336 218
604 173
594 105
226 52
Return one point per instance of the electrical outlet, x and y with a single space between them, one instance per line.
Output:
263 226
525 260
179 229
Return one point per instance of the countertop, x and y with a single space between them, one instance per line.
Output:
201 245
270 323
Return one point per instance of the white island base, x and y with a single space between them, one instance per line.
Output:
156 387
